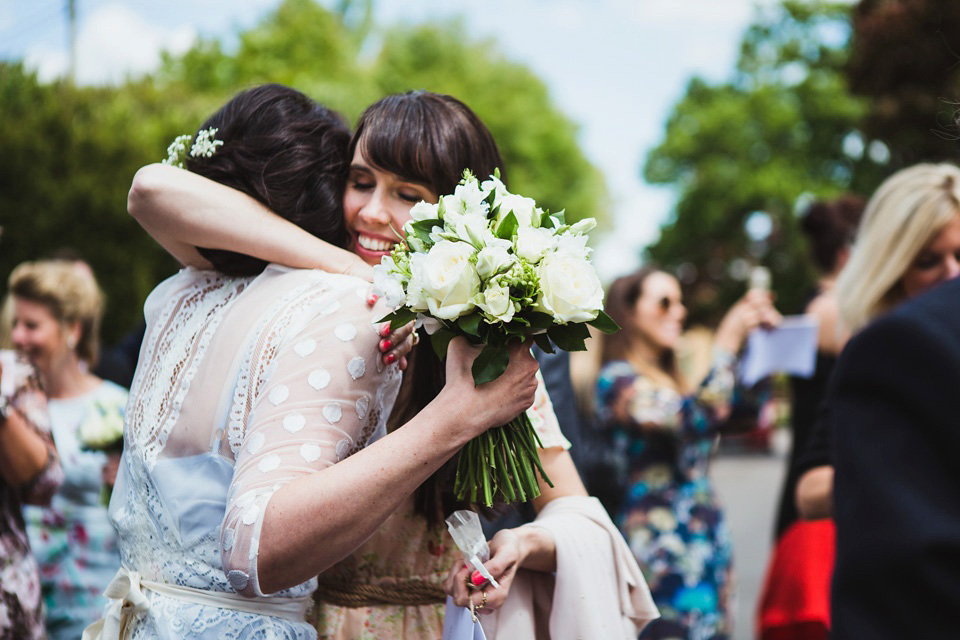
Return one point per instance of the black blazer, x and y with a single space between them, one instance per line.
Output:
894 414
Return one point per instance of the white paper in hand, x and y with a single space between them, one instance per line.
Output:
464 527
458 624
789 348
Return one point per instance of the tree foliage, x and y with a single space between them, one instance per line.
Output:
782 131
70 152
906 60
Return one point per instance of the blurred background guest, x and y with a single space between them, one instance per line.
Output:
57 309
29 473
796 595
670 515
891 411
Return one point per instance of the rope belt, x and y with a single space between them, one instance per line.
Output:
126 596
343 593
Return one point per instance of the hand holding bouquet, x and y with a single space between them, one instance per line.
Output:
491 266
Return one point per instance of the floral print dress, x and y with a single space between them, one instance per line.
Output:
73 540
21 610
670 516
406 553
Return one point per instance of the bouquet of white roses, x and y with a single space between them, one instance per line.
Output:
491 266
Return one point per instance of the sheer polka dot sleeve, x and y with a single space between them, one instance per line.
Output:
544 419
317 393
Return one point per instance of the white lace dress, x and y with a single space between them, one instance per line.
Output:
243 385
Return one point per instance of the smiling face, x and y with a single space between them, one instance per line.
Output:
939 260
37 334
376 205
659 313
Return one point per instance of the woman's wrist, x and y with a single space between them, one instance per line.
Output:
538 551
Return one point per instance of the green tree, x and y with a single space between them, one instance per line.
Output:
70 153
782 131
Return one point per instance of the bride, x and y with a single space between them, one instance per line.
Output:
256 386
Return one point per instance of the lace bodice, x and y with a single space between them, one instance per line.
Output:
243 385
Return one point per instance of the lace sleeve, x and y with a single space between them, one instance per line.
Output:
320 398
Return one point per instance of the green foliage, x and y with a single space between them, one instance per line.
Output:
769 140
70 153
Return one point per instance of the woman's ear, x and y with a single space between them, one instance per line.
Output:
71 334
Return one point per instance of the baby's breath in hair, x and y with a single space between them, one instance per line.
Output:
205 145
177 151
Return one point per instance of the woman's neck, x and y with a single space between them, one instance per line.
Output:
642 352
67 380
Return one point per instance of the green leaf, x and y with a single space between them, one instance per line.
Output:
440 340
544 342
538 319
559 219
491 362
508 226
399 318
605 323
569 337
470 324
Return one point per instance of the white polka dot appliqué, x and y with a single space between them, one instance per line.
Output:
238 579
343 448
256 443
345 332
294 422
269 463
246 500
279 394
332 412
305 347
319 379
363 405
229 538
356 367
311 451
250 515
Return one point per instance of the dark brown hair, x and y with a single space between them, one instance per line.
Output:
830 226
427 138
286 151
620 305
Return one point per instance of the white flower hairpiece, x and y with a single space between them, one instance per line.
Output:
205 145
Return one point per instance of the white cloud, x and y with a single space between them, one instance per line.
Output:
112 42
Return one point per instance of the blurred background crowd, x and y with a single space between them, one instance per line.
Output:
770 165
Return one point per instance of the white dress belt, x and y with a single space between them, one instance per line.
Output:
126 596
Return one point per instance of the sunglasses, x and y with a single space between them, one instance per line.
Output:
666 302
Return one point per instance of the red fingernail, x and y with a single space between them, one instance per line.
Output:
385 345
390 358
477 579
372 299
385 329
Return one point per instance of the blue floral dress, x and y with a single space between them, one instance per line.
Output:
73 541
670 516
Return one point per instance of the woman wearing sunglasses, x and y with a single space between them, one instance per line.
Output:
667 430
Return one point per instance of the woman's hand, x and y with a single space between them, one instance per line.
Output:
755 309
510 549
493 403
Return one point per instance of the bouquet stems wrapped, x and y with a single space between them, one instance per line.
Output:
491 266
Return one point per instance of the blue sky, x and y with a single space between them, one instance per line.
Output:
614 66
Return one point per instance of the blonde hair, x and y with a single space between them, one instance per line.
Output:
903 216
70 293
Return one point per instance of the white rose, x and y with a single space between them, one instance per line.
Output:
495 301
533 243
448 279
523 208
494 258
570 288
424 211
